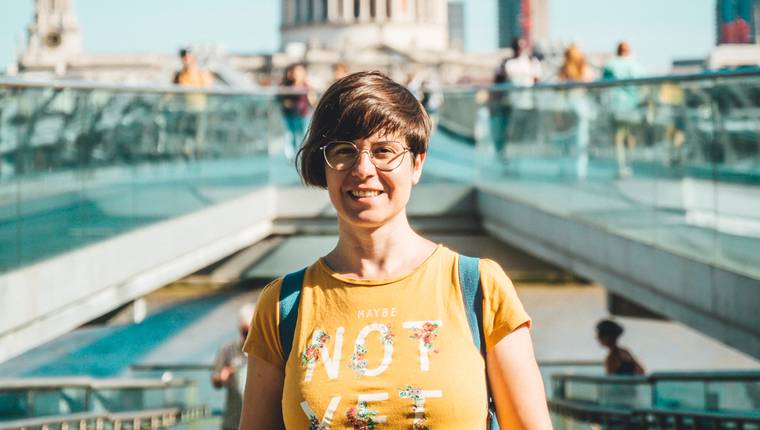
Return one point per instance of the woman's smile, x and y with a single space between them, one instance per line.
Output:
364 195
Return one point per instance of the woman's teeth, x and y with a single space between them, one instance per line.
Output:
365 193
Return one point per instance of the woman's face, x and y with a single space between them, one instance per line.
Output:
366 197
299 74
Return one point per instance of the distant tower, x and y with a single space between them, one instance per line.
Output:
736 21
405 25
522 18
756 14
54 36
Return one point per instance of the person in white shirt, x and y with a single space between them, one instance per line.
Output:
522 70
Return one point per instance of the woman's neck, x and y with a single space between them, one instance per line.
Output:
380 252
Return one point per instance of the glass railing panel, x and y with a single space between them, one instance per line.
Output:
47 402
627 395
9 228
458 125
75 400
604 391
119 400
583 391
684 184
549 369
680 395
203 391
181 395
735 156
25 403
78 165
562 422
730 396
734 396
14 405
458 114
667 162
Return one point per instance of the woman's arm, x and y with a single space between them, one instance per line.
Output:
262 400
516 384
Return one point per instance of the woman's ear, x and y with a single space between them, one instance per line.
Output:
417 162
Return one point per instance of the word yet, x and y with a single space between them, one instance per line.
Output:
416 395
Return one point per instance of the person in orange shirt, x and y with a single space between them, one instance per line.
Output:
195 103
382 338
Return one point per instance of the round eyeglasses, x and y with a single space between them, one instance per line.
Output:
342 155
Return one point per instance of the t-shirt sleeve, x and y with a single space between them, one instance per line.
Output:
502 310
263 339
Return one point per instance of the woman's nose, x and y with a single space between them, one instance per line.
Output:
364 164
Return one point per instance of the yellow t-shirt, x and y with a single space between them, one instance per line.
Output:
392 353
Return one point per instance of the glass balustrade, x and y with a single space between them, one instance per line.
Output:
721 392
33 398
725 392
672 162
604 391
81 164
200 375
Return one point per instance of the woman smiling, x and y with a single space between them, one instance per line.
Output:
379 332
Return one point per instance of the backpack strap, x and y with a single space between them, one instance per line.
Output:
290 295
472 294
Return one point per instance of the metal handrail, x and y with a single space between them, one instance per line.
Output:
707 376
61 84
734 375
202 366
158 418
92 383
178 366
13 82
607 83
652 417
603 379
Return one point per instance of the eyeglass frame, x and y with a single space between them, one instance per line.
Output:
323 148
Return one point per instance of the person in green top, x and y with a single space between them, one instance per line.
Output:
624 103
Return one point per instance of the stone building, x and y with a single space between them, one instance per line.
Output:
407 39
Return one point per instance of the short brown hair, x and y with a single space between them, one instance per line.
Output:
356 107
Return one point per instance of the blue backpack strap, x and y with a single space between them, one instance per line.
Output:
290 295
469 279
472 294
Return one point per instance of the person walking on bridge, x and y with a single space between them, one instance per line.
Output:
229 371
619 361
388 329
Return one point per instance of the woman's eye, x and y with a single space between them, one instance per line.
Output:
384 150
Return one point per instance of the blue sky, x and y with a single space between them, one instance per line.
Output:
658 30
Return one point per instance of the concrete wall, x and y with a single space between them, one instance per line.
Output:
714 301
45 300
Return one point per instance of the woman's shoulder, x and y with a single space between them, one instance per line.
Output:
491 271
270 295
271 292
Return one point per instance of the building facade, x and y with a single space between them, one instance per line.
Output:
456 25
527 19
736 21
53 36
407 39
342 25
